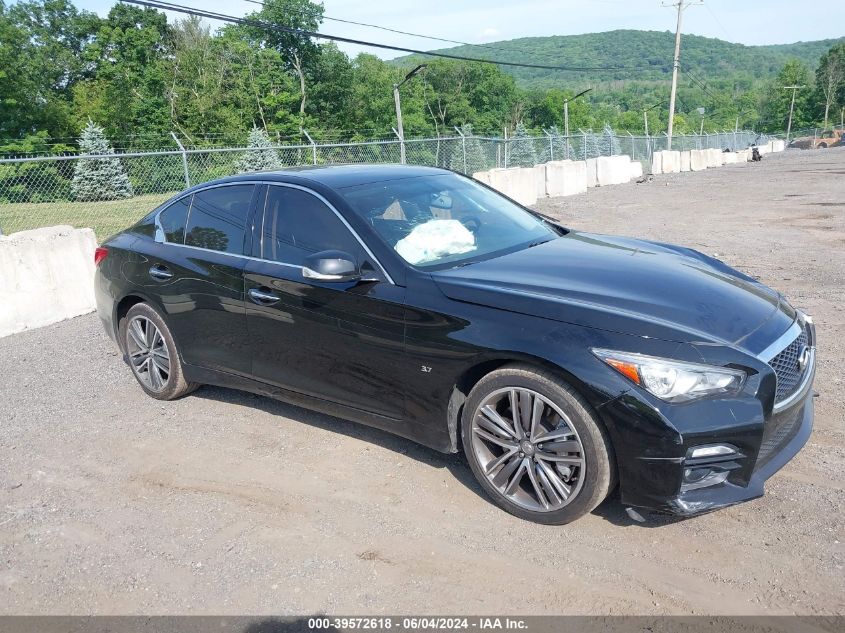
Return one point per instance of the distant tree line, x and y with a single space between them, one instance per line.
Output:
138 78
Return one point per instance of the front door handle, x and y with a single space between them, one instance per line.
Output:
263 297
160 273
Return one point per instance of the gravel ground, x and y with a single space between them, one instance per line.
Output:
227 503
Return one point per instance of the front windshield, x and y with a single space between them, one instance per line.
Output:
437 221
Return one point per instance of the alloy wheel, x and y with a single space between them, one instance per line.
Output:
528 449
148 353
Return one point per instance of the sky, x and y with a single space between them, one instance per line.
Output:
748 22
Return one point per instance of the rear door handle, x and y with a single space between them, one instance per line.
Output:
161 273
262 297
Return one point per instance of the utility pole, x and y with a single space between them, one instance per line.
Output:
794 90
398 103
681 4
566 111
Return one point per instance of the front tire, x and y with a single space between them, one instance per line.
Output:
535 446
151 353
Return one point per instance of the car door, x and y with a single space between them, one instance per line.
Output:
338 341
194 269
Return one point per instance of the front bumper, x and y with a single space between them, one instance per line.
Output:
798 425
652 441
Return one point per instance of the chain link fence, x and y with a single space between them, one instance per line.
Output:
38 191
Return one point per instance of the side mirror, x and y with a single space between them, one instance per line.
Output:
332 266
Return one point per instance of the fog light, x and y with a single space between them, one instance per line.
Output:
714 450
702 477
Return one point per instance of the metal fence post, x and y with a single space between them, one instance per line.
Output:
313 145
584 146
401 146
551 144
463 146
184 160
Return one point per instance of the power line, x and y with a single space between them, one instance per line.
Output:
700 83
436 38
177 8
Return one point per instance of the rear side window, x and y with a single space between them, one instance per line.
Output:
298 224
218 218
173 219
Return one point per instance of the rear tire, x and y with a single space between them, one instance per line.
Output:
561 457
152 355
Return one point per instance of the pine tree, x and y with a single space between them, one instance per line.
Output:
522 152
593 145
561 144
98 178
610 143
475 160
260 156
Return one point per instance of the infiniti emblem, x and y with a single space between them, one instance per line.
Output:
803 358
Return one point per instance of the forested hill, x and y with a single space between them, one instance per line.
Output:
643 55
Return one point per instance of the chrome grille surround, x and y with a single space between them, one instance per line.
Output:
793 359
787 367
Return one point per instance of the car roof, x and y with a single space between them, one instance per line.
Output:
339 176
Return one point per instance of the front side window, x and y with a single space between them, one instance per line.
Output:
297 224
443 221
217 220
173 219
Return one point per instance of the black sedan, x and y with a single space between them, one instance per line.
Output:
562 363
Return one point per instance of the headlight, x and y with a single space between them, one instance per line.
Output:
672 380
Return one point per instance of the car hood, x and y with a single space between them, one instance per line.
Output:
626 285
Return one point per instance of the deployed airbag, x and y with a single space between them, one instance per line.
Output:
434 240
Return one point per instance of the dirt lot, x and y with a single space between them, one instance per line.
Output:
228 503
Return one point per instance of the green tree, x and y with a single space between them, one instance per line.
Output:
777 100
610 144
475 160
522 151
830 80
98 178
42 44
299 53
561 147
129 54
261 156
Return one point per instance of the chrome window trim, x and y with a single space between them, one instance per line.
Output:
340 217
160 232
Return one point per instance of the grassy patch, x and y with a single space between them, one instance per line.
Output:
106 218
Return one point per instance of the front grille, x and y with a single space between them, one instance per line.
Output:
777 433
787 369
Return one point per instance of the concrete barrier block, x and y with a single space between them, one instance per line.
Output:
657 163
46 275
765 148
730 158
778 145
636 170
685 161
592 172
540 180
613 170
519 183
482 176
716 158
699 159
566 177
671 161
